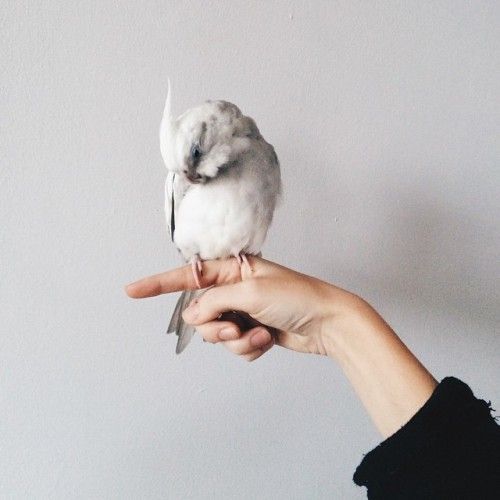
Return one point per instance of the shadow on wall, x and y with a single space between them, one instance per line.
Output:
408 242
423 251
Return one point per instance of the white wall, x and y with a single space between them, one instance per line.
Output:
383 115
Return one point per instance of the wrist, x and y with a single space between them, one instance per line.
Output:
350 325
390 381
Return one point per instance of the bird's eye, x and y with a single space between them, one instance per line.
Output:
195 152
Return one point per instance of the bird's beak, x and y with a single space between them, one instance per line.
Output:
193 177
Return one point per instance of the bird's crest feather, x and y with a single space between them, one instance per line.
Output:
167 128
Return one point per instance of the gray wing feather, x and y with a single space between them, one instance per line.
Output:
177 325
175 189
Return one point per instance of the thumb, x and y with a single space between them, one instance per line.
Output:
218 300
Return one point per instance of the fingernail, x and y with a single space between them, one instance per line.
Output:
260 337
228 334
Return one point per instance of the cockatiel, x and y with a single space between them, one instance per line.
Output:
221 190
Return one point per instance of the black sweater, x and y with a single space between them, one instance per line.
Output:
450 449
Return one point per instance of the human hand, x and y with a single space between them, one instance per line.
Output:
307 315
285 307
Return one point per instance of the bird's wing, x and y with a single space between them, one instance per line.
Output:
177 324
175 189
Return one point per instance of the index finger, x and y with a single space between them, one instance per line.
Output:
215 272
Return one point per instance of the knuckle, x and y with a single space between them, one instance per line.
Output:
233 271
238 348
208 334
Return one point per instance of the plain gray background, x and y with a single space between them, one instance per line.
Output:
384 116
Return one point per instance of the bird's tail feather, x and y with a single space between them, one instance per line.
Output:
183 331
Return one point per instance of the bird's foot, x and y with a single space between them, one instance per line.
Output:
242 260
197 268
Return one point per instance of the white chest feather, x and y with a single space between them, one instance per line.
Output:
222 219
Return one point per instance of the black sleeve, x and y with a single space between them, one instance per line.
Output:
450 449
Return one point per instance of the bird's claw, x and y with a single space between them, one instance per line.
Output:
243 260
197 268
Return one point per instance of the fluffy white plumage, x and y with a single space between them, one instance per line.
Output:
222 186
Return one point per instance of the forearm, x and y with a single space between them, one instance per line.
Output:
390 381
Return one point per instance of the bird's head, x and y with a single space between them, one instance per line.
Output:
205 141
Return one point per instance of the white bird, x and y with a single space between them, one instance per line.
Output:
222 186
